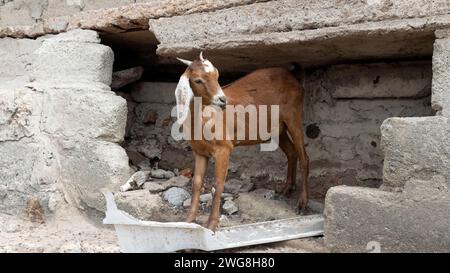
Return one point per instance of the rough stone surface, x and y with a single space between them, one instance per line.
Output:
31 18
73 60
229 207
398 80
412 221
161 174
127 76
441 77
16 55
141 204
415 148
321 32
53 151
176 196
106 122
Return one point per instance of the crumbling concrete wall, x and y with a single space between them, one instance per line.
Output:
344 108
60 124
410 211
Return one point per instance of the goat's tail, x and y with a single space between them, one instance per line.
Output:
298 71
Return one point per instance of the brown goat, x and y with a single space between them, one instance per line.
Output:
271 86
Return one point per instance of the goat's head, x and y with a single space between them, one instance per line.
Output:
201 80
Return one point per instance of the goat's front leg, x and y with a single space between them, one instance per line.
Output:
221 159
201 163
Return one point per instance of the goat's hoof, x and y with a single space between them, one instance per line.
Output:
212 225
301 206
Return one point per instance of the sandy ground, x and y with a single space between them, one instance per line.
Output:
69 231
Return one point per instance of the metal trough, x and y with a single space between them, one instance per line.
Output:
148 236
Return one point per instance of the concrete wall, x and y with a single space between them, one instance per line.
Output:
410 211
60 123
344 108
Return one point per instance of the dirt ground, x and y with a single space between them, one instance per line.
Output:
70 232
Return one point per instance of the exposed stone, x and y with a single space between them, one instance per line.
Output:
161 174
153 187
229 207
397 80
176 196
104 165
141 204
76 57
415 148
106 122
357 218
125 77
441 77
16 55
243 38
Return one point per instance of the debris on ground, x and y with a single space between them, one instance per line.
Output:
136 181
34 210
176 196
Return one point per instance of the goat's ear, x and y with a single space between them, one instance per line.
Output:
183 95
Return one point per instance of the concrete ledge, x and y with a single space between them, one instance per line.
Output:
415 221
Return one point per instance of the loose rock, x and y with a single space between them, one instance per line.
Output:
153 187
161 174
125 77
176 196
230 207
140 203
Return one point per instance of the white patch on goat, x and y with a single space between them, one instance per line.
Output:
208 66
183 95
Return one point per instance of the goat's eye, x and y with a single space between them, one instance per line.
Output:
198 81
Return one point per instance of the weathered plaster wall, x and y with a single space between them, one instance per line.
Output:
344 108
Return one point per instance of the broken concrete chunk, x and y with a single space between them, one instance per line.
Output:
176 196
230 207
125 77
140 203
177 181
136 181
153 187
161 174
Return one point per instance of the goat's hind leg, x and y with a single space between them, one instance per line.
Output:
288 148
201 162
295 129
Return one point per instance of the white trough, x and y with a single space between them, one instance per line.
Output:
148 236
